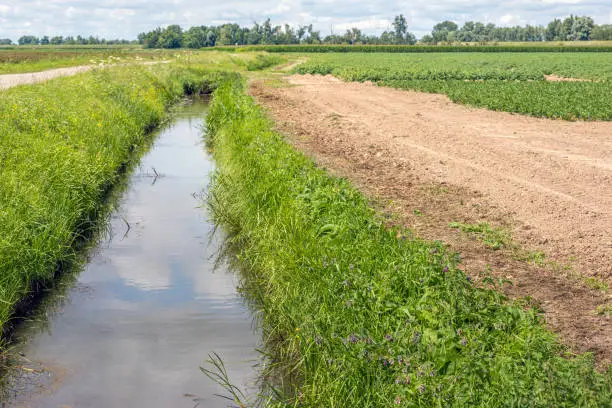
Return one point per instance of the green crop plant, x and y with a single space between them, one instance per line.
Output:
504 82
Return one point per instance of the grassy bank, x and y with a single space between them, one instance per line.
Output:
505 82
63 145
356 315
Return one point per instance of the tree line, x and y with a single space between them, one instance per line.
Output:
61 40
265 33
572 28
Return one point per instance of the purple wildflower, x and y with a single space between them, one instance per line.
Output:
388 337
421 388
445 269
398 400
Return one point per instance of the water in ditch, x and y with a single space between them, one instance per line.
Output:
135 326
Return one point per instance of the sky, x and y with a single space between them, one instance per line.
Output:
127 18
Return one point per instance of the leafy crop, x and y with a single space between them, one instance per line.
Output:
505 82
357 315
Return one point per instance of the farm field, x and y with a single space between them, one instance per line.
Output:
527 83
361 297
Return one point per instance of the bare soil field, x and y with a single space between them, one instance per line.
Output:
432 162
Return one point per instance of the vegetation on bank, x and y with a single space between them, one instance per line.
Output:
505 82
63 145
358 315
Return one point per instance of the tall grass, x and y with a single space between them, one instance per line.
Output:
356 315
63 145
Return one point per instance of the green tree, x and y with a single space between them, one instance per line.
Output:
171 37
400 26
28 40
441 31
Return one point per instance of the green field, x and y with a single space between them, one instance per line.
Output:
512 82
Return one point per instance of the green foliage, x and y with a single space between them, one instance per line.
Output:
63 145
505 82
263 61
418 49
495 238
356 315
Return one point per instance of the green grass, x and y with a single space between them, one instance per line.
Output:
63 145
493 237
355 317
504 82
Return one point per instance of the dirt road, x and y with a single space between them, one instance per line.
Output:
11 80
549 182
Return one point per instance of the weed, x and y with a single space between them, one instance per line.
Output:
493 237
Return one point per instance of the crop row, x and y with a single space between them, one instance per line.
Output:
420 48
511 83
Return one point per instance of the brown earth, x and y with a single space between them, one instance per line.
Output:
434 162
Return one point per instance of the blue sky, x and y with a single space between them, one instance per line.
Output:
126 18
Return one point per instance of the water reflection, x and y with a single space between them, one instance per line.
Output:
149 307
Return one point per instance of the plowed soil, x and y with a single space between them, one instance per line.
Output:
433 162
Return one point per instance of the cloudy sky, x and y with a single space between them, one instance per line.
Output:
126 18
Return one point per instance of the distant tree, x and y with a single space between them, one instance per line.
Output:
171 37
28 40
567 28
57 40
353 36
602 32
400 26
554 31
427 39
195 37
6 41
314 37
442 31
211 38
582 28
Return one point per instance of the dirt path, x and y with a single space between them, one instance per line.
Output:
11 80
549 182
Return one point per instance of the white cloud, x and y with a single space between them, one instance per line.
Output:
126 18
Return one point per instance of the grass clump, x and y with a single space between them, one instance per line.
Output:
355 316
63 145
263 61
493 237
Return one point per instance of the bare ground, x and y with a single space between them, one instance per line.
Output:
434 162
